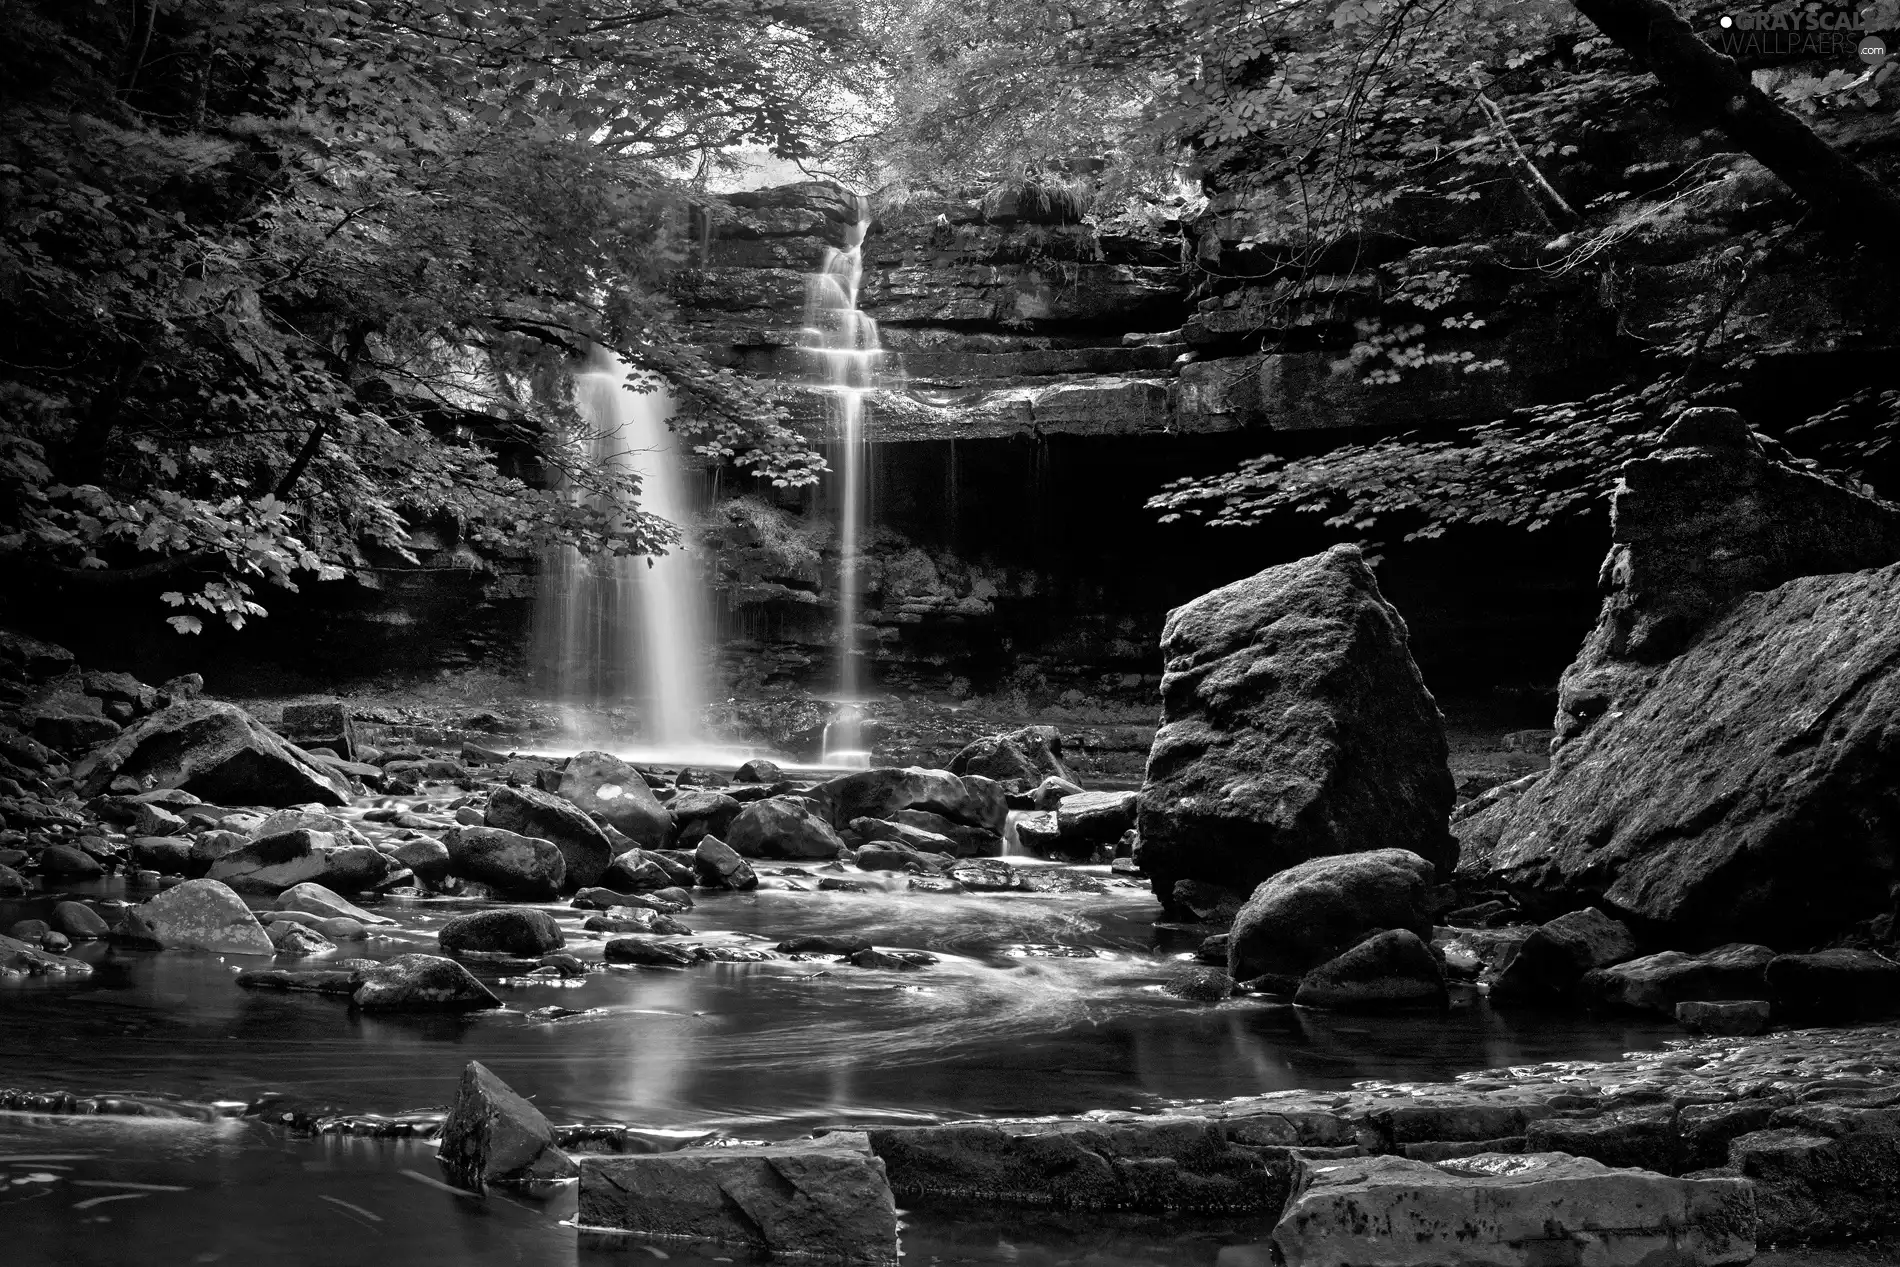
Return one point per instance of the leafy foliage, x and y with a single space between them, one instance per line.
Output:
1524 471
291 277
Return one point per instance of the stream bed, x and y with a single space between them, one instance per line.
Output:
1004 1024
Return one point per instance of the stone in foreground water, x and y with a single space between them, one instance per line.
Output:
825 1198
1499 1210
494 1136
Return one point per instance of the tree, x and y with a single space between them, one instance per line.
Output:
291 277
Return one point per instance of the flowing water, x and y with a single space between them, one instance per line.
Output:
844 343
748 1050
628 630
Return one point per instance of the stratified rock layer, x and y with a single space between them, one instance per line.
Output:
1294 724
217 751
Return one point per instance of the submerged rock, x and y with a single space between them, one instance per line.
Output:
1199 984
1316 910
204 915
421 983
1294 725
984 876
783 827
1392 970
585 849
494 1136
652 953
824 1198
18 958
603 784
519 866
824 944
217 751
516 931
1498 1210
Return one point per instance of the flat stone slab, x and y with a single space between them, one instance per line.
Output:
823 1198
1511 1210
1103 1162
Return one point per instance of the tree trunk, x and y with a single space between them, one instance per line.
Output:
1846 199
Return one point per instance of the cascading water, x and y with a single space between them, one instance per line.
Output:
611 630
845 343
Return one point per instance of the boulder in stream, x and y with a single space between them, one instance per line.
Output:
1385 972
493 1136
721 867
316 900
824 1198
519 866
783 827
271 864
1659 982
1553 960
421 983
1294 725
521 931
217 751
603 784
1021 758
1315 910
204 915
971 800
584 847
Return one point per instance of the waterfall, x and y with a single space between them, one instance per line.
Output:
609 629
844 342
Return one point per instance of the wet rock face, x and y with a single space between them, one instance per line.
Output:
1823 1171
217 751
1745 796
825 1198
1314 911
1494 1210
493 1136
1713 515
1294 725
584 847
599 783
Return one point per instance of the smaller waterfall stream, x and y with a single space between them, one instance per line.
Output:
845 342
611 630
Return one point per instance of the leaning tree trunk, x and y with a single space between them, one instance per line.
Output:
1843 195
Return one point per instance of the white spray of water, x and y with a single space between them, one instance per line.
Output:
612 629
845 342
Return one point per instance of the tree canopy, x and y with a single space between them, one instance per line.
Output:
289 277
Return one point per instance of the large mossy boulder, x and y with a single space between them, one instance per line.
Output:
601 783
213 750
1746 795
1294 725
1316 910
